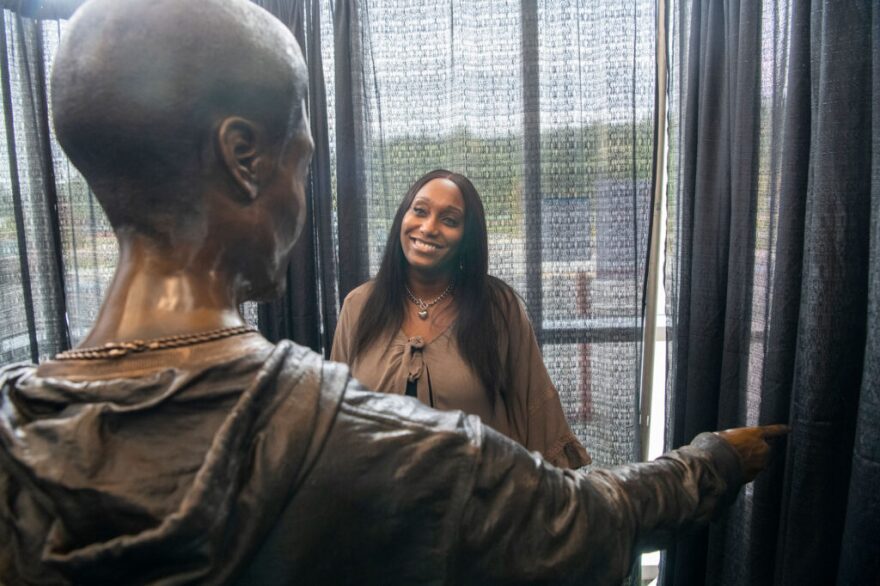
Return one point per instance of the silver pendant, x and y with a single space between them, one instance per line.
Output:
424 307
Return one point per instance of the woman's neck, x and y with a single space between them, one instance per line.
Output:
428 286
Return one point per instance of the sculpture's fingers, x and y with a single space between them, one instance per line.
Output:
776 430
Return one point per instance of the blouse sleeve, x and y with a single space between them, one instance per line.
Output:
345 327
537 414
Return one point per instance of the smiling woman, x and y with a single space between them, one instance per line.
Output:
431 231
434 325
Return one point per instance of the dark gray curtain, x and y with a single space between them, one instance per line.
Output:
307 312
351 196
773 181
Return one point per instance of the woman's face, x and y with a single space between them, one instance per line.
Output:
433 227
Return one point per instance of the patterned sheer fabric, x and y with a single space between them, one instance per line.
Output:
51 274
548 108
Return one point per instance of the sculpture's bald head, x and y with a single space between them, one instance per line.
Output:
141 87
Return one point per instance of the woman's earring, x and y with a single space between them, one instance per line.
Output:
461 263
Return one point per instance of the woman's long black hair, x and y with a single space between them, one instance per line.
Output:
479 298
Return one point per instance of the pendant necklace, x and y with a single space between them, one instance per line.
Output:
423 306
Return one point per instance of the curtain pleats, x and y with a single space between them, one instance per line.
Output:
307 312
860 546
351 198
830 351
770 216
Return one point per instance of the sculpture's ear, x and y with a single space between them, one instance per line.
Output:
241 147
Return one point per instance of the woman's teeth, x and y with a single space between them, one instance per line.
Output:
420 245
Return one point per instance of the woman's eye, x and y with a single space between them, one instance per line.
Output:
451 222
419 211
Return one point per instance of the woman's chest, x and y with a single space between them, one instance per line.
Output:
443 378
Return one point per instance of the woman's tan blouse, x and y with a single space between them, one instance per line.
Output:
529 413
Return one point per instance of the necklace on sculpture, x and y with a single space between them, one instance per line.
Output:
425 306
120 349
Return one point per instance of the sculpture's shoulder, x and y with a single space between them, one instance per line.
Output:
11 373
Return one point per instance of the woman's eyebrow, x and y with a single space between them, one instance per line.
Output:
448 208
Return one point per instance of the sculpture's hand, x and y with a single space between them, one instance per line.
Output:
751 445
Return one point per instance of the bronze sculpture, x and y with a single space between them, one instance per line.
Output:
178 446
